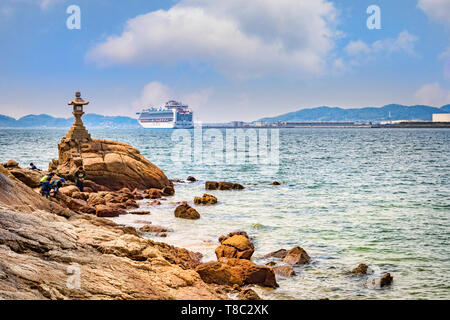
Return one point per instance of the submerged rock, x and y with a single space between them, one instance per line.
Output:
211 185
206 199
297 256
280 254
284 271
140 213
386 280
360 269
214 185
154 229
185 211
191 179
276 183
248 294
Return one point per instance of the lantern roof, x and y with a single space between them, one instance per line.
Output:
78 101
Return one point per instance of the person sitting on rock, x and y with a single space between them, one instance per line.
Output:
45 184
32 166
79 177
56 184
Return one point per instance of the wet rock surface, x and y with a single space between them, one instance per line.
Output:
386 280
206 199
235 245
280 254
185 211
214 185
297 256
360 269
284 271
236 271
248 294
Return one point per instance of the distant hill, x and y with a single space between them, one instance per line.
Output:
386 113
46 121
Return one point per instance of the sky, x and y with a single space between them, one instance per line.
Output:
228 59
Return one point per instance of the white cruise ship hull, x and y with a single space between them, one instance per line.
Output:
173 115
165 125
157 125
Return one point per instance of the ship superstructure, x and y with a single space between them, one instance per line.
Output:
172 115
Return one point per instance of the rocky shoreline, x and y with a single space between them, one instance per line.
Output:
44 241
41 239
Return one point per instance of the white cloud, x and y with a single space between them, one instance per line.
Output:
403 43
155 94
437 10
445 54
43 4
237 38
360 52
432 94
357 47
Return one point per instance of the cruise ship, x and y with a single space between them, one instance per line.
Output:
172 115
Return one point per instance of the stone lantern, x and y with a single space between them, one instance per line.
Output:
78 131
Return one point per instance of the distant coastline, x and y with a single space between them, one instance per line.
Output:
46 121
392 115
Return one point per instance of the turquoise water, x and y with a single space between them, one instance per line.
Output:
349 196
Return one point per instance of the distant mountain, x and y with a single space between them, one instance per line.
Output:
46 121
386 113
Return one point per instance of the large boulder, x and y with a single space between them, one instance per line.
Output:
11 164
111 164
219 273
236 271
103 211
69 190
77 205
236 246
31 178
20 197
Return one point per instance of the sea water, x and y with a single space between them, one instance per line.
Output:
348 196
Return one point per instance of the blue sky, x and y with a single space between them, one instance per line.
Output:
228 59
